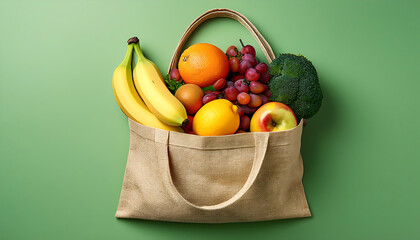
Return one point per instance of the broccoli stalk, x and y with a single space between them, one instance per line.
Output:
294 82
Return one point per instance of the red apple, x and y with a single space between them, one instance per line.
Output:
273 116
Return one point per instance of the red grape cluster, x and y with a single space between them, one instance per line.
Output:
246 85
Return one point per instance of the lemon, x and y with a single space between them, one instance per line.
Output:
218 117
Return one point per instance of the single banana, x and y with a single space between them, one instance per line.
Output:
149 83
128 98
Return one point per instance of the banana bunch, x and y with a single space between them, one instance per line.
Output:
166 112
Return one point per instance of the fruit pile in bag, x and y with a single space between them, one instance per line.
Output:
218 93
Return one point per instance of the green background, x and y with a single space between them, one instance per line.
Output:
64 141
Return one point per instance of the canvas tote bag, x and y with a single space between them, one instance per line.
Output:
173 176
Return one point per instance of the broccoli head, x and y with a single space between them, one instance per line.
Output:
294 82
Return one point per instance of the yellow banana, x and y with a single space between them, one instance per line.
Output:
128 98
149 83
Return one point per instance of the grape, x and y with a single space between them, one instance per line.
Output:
265 77
175 74
219 84
245 122
209 97
232 51
188 128
231 93
256 101
243 98
243 66
264 99
252 74
229 83
241 86
248 110
265 86
241 112
248 49
237 77
261 67
256 87
251 59
234 64
267 92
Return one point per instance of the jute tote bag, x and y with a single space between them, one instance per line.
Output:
173 176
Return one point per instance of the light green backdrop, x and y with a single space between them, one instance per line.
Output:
64 141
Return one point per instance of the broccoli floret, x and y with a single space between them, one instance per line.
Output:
285 88
294 82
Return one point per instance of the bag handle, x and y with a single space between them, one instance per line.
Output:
161 149
222 12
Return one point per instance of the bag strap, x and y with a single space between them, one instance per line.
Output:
222 12
161 149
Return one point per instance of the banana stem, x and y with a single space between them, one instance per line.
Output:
138 52
133 40
128 56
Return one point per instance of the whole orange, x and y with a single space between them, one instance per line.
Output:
203 64
191 96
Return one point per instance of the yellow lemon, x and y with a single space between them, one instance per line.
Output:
218 117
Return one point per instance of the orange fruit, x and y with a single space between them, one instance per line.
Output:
191 96
203 64
218 117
